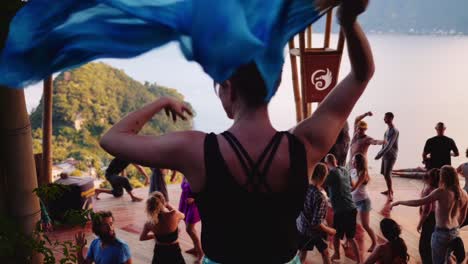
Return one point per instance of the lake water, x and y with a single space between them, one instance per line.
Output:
421 79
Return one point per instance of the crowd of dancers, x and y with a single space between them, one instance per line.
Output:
250 183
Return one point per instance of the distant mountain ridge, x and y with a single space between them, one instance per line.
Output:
415 17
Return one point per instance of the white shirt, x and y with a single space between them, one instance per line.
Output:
361 192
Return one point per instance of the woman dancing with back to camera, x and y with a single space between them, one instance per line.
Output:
162 225
253 164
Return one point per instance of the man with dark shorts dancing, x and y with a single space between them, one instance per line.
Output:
389 153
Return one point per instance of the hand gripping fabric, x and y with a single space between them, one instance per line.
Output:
48 36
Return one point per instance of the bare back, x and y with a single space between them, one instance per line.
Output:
360 145
168 222
384 254
389 257
450 212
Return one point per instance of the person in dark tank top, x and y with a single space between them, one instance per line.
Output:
240 178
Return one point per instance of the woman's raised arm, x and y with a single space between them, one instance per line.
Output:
320 131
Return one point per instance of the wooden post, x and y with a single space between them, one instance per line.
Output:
41 180
17 170
309 37
341 41
297 94
328 26
303 86
47 130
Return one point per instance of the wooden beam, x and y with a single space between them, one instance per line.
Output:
47 130
295 80
303 89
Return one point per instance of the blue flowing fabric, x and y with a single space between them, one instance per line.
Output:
48 36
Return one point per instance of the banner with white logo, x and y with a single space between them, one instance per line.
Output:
320 73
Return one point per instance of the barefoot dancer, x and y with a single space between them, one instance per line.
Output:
360 179
118 183
241 162
338 184
188 207
450 212
426 223
361 141
389 153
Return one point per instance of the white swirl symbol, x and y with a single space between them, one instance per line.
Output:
323 81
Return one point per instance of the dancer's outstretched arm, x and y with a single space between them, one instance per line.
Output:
320 131
433 196
123 141
142 171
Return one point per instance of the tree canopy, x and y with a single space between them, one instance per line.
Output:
87 101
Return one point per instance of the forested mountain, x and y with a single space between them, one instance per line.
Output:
89 100
415 17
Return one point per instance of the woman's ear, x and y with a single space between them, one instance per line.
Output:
230 90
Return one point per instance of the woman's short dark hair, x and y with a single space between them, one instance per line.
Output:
250 85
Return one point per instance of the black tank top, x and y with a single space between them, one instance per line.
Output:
241 224
169 237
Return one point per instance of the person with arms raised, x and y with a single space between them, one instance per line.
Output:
361 141
254 165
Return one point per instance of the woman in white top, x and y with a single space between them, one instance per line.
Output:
359 179
463 170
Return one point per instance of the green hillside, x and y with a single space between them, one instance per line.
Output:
89 100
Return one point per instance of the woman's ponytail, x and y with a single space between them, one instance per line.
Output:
154 205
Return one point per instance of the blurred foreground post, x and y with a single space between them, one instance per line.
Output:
17 168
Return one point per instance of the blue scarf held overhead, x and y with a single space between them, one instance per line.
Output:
47 36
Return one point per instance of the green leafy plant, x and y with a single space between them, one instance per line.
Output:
12 238
50 192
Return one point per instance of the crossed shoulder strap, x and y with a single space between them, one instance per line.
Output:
255 176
